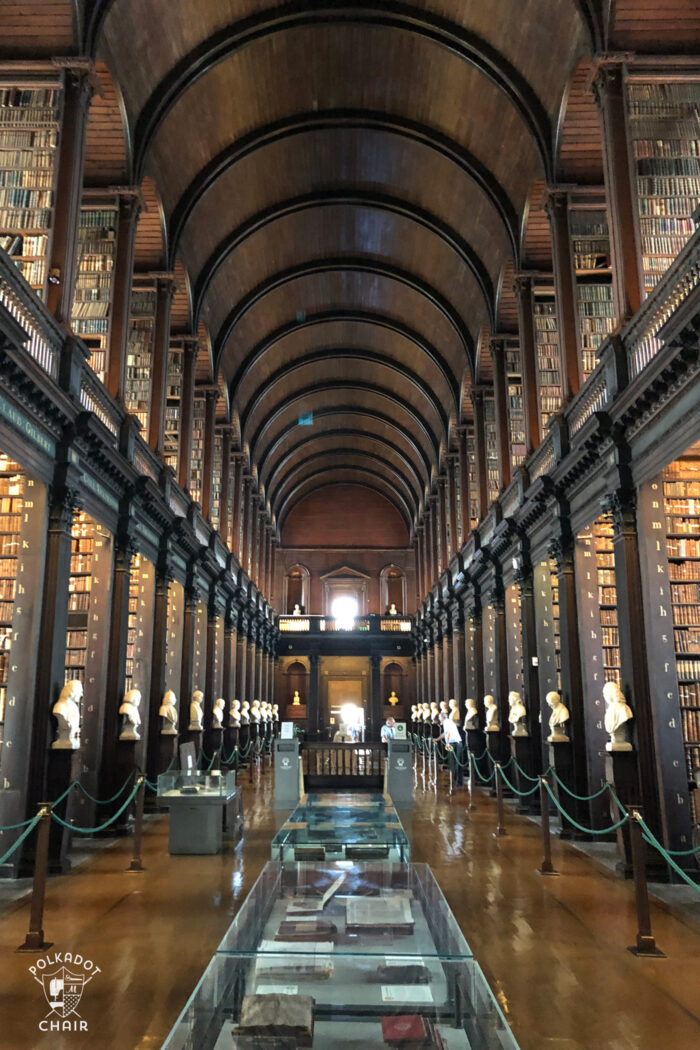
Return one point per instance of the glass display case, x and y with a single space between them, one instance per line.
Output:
343 955
204 808
336 839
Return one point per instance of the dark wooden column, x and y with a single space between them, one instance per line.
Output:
444 523
241 659
419 565
430 541
609 93
50 670
458 657
375 697
536 717
190 347
474 612
158 658
463 453
229 657
245 511
447 659
452 468
225 492
262 568
213 613
426 552
129 210
313 713
63 260
236 493
498 604
273 566
480 447
622 507
187 666
561 551
165 288
211 397
124 551
523 288
557 208
438 673
500 404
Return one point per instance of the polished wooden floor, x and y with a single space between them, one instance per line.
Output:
553 949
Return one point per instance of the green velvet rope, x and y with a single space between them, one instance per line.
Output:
27 831
650 838
515 791
579 798
100 827
580 827
106 801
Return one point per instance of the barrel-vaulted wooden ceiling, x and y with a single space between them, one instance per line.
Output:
344 190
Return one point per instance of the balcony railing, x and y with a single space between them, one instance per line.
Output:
327 625
44 336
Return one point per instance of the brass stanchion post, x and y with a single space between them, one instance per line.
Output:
472 781
546 867
500 827
646 944
34 941
136 864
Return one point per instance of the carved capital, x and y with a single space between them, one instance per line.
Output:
562 554
522 287
621 507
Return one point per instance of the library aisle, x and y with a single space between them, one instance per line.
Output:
554 950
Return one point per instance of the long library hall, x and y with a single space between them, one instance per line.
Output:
350 524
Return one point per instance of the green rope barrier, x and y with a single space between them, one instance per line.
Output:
533 780
27 831
523 794
651 839
100 827
579 798
105 801
580 827
151 787
483 779
16 827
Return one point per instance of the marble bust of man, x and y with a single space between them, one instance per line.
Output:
245 713
558 719
275 712
196 712
492 725
296 699
66 711
517 714
168 712
617 715
234 714
454 710
255 711
471 715
393 699
131 717
217 715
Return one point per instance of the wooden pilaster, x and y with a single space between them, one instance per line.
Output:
189 365
500 402
556 206
129 211
211 397
528 360
165 288
480 447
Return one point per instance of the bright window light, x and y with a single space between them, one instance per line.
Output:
344 610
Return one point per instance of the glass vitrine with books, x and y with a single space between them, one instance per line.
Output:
343 955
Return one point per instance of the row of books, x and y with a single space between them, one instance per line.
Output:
688 669
24 197
9 522
686 615
685 570
680 186
661 206
689 694
690 722
24 218
26 178
95 308
7 589
16 147
668 246
683 497
683 548
685 593
687 641
659 147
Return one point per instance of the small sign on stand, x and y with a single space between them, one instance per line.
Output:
287 731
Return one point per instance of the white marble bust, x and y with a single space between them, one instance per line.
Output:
275 712
434 711
255 711
131 716
296 699
425 707
168 712
245 713
557 720
471 714
617 715
517 714
454 710
217 715
492 725
413 712
66 711
196 712
234 714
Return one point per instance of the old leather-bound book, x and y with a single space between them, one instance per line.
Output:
278 1015
307 931
406 1031
407 973
379 913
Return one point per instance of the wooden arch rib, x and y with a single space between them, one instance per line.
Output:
352 263
305 488
389 14
361 198
345 456
302 123
344 434
360 412
404 374
359 317
418 420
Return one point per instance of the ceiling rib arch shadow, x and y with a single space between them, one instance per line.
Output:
305 488
326 464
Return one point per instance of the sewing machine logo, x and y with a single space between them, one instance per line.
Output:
63 989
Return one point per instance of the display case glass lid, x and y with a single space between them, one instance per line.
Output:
196 783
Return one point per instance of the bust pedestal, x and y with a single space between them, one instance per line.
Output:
63 768
167 748
193 736
124 763
521 751
497 746
622 772
230 736
477 745
561 758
